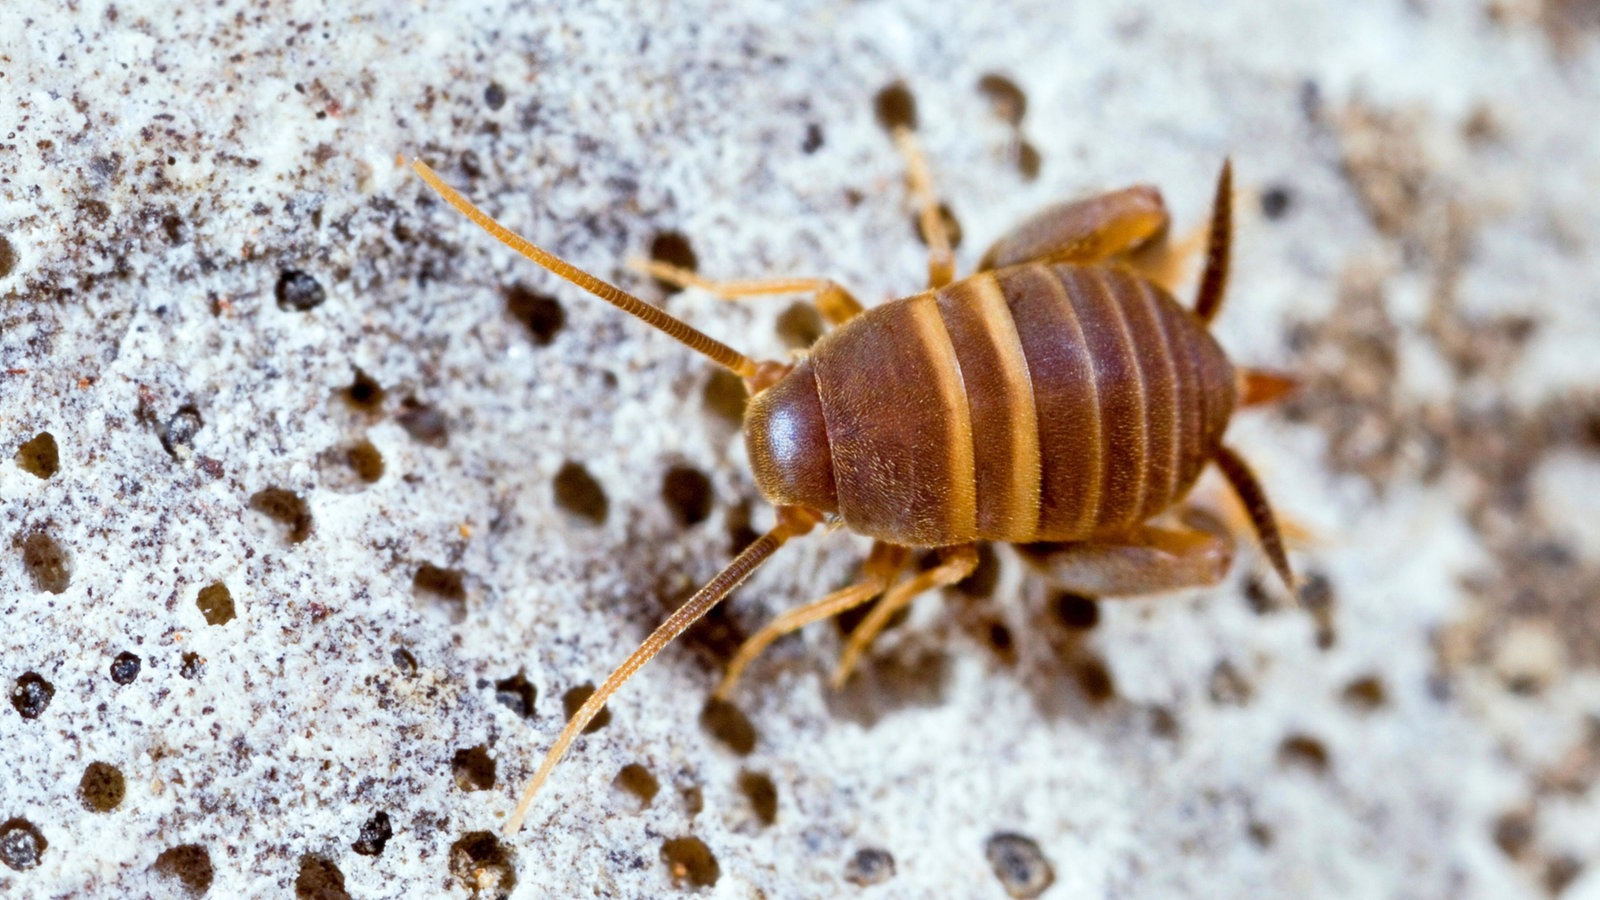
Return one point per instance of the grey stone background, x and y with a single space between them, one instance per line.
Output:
267 359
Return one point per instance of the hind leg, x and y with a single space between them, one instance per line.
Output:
1086 231
1147 560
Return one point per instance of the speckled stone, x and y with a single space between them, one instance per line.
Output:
267 358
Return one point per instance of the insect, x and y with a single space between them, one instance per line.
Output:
1059 399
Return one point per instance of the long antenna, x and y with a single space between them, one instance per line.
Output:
792 521
678 329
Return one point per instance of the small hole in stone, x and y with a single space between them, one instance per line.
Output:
1019 864
762 794
1303 751
425 424
952 227
287 509
981 583
691 862
21 844
319 879
364 460
189 864
1005 98
573 699
672 248
1259 596
8 257
364 392
1029 161
375 833
740 534
725 396
637 780
1260 834
404 661
1316 597
1276 201
1560 872
516 694
494 96
869 866
895 107
299 292
216 604
1164 723
1077 611
101 788
444 587
1001 642
1228 686
46 562
687 493
1366 693
482 865
725 722
799 326
578 493
540 313
192 665
177 436
473 769
1513 833
38 456
125 668
694 800
31 694
1094 679
812 142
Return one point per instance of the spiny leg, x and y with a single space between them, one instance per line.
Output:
1215 280
1234 468
1147 560
941 256
792 522
836 304
958 563
879 570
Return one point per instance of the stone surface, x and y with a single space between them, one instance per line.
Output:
267 358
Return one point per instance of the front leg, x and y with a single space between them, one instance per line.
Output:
1147 560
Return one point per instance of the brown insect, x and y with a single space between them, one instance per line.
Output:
1060 399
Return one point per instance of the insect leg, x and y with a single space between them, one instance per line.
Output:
958 563
1147 560
836 304
879 570
1085 231
941 256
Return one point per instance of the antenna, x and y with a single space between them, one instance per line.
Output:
676 328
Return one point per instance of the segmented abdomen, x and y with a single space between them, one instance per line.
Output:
1037 402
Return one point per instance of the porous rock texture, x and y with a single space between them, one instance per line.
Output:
315 503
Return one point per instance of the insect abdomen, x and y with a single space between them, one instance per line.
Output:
1032 403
